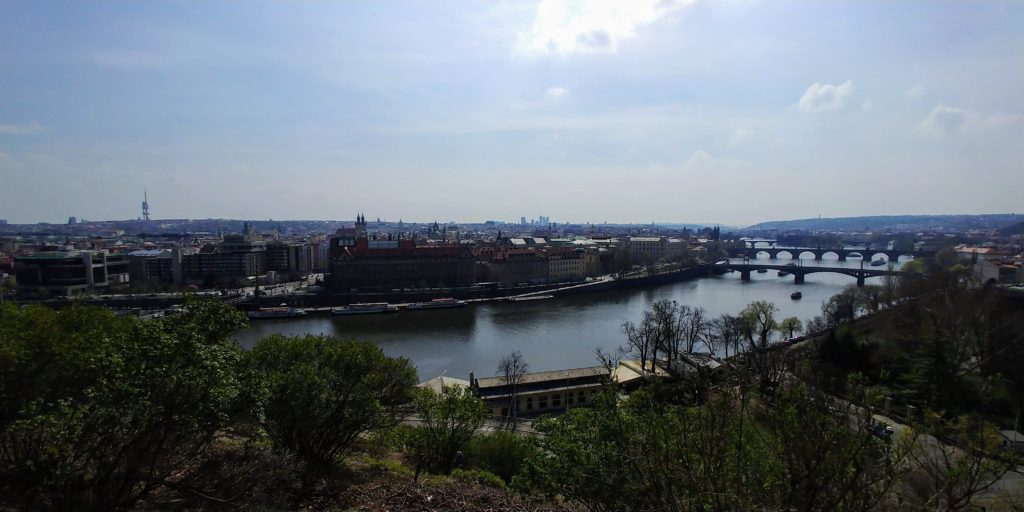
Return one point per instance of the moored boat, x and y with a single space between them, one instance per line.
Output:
783 273
437 304
529 298
368 308
762 271
278 312
877 263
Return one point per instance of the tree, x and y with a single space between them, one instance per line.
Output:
447 421
641 340
790 325
97 411
316 394
512 368
757 326
728 331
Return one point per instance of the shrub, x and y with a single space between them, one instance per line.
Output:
478 476
502 453
316 395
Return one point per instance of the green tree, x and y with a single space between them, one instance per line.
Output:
791 325
316 395
446 422
96 411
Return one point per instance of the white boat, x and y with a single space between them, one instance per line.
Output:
437 304
368 308
279 312
878 263
530 297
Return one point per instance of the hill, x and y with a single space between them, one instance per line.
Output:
899 223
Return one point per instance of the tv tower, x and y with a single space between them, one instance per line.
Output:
145 205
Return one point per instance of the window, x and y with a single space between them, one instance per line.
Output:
529 403
556 400
544 402
568 398
582 397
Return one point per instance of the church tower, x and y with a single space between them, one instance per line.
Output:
360 226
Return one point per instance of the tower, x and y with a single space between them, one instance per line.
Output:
145 205
360 226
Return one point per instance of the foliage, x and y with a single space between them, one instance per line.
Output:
316 395
97 411
479 476
446 421
789 326
502 453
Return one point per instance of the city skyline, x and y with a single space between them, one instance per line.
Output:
735 112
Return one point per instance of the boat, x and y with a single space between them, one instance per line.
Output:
762 271
877 263
796 295
783 273
529 298
278 312
437 304
367 308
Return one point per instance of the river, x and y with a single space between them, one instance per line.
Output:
557 333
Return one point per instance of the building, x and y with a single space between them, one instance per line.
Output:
289 260
541 392
66 272
565 265
644 249
512 265
1012 440
238 256
155 266
396 264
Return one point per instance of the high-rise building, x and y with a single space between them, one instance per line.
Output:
145 205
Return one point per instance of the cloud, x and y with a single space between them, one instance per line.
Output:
699 160
945 120
591 26
738 137
825 97
867 105
914 92
556 92
20 129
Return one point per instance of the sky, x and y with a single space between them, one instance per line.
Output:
730 111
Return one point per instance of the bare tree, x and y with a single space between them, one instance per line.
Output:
757 327
694 323
512 368
726 332
642 339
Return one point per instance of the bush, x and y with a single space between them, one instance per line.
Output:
315 395
96 411
502 453
447 421
478 476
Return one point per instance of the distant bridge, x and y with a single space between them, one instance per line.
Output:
794 253
745 268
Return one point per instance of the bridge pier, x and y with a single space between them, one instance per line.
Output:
860 280
842 256
817 255
744 275
798 278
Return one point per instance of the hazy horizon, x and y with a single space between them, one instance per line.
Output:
737 111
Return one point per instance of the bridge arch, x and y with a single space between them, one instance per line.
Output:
879 255
857 254
789 254
824 255
812 256
758 253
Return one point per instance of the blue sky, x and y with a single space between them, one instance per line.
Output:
733 111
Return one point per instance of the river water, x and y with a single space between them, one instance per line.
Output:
557 333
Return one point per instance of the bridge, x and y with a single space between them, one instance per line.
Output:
745 268
794 253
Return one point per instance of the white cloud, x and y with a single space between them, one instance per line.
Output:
738 137
20 129
946 120
825 97
591 26
914 92
867 105
556 92
698 160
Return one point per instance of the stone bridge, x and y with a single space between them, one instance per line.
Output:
794 253
799 272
